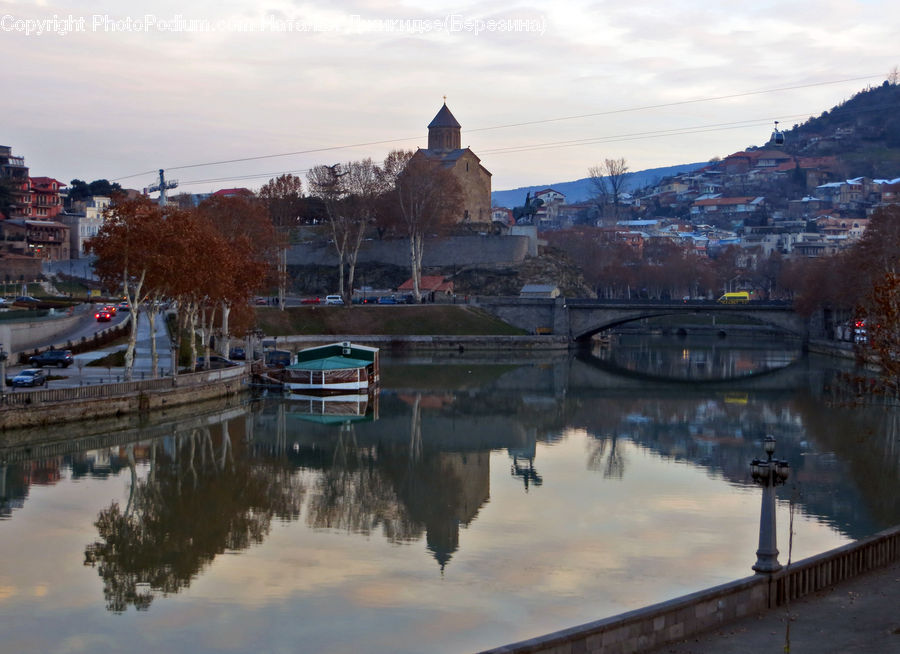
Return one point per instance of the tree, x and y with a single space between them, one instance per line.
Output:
127 249
80 190
251 243
364 184
428 197
283 199
609 180
326 184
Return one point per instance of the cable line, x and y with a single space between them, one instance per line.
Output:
506 126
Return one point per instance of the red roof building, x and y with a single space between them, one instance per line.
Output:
429 284
45 202
234 192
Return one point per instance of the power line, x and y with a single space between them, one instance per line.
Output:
506 126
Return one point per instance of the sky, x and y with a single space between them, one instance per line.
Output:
543 91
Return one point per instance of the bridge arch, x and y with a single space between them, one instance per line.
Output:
589 318
579 319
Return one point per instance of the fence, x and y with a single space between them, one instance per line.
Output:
678 619
824 570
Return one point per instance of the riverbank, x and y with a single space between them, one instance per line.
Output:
670 626
39 408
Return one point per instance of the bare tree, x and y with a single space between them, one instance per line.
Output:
283 197
608 180
365 184
428 197
327 184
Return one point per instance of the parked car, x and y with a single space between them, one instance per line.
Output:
237 354
387 299
3 302
334 299
30 377
311 300
103 316
26 299
59 358
215 362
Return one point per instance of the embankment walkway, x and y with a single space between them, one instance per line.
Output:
844 600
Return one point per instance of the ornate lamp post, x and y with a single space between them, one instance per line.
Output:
768 474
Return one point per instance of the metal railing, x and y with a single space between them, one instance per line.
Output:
119 389
823 571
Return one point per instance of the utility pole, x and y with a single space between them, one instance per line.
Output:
162 187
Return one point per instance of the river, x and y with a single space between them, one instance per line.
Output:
479 500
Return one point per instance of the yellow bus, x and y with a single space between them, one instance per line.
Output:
742 297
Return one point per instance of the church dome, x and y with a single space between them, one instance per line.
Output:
444 118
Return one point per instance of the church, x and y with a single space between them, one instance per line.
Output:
444 146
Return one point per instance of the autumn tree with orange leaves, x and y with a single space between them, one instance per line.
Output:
202 259
128 257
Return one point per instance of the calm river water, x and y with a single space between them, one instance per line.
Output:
481 500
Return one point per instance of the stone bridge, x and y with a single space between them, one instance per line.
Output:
579 319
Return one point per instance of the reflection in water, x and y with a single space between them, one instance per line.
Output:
406 512
196 502
698 358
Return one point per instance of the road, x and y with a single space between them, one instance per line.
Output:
80 373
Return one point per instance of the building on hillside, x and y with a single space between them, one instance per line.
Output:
550 196
430 287
84 224
15 172
42 239
45 200
234 193
731 207
445 147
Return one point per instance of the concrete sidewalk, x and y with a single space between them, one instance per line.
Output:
859 615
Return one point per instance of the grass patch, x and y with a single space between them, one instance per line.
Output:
413 320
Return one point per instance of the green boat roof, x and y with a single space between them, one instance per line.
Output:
330 363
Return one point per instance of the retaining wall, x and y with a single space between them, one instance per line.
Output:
443 252
678 619
429 343
45 407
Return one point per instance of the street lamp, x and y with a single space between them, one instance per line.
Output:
768 474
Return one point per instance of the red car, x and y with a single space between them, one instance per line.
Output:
311 300
103 316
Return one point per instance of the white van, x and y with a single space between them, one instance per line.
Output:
333 299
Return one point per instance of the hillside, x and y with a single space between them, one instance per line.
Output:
863 132
581 189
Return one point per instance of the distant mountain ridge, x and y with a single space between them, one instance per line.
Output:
581 189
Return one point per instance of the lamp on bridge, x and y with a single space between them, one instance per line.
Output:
768 474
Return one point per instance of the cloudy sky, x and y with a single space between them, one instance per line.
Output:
116 90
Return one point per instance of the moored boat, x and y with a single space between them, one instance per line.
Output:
334 369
